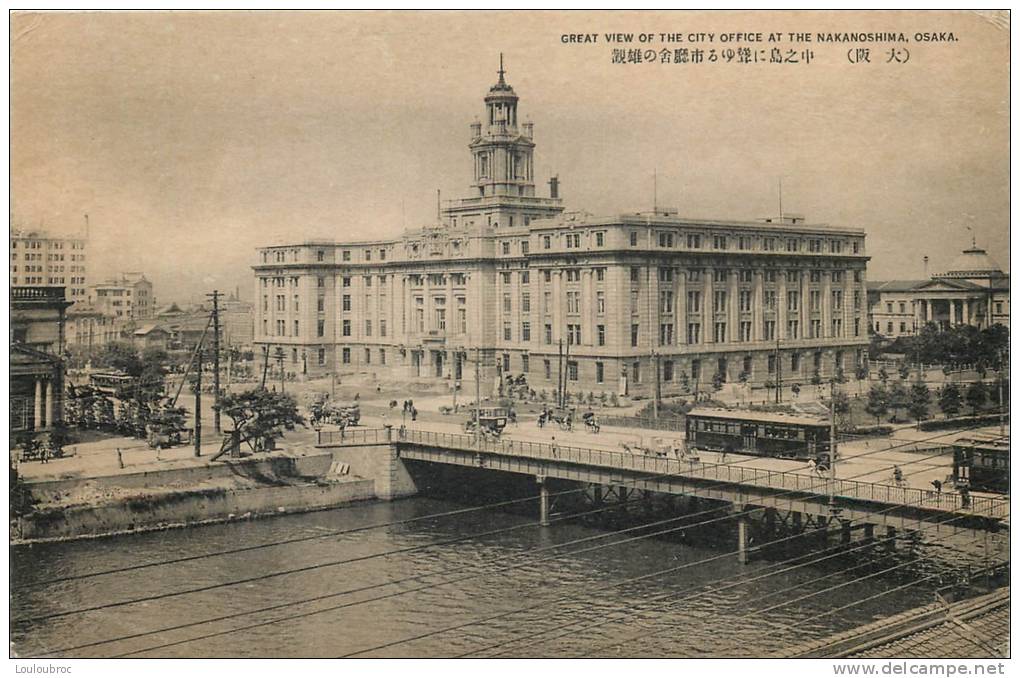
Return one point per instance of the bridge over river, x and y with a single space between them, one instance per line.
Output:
799 499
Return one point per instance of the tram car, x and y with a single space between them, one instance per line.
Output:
491 420
765 434
981 462
110 382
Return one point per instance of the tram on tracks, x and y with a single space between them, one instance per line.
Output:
764 434
981 462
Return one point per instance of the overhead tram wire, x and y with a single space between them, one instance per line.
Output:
645 636
686 525
357 559
324 535
632 613
345 605
419 577
706 589
528 608
775 593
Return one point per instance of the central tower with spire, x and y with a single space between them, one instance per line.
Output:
504 167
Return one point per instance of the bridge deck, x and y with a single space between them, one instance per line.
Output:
864 499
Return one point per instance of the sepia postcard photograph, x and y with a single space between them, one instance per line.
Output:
510 334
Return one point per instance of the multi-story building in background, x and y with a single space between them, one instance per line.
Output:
974 291
614 303
127 296
36 362
40 259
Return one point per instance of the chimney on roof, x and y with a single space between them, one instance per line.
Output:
554 187
926 266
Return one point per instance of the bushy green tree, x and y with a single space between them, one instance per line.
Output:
878 402
920 400
950 400
260 417
977 396
898 398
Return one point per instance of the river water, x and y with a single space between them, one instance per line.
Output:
514 592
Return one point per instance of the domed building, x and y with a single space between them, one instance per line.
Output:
974 291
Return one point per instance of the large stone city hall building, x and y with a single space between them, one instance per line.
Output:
516 277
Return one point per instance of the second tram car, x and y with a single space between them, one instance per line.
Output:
981 462
767 434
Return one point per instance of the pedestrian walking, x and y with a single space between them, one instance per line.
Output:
813 465
414 413
964 497
555 448
120 458
937 484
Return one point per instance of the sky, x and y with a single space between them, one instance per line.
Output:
192 138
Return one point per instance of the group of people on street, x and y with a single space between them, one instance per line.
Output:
410 409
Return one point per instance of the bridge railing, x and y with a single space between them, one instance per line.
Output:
691 467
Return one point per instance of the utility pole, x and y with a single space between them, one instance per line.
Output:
279 362
1002 404
265 365
478 395
559 376
658 386
566 362
198 404
215 296
832 444
779 369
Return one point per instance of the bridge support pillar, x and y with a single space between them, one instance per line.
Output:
741 541
543 501
869 531
797 519
597 493
890 535
845 534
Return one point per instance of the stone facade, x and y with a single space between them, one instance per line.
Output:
513 282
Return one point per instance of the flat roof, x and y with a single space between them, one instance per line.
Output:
755 415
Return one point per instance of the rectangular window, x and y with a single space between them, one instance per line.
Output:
462 320
601 330
635 274
633 238
600 303
693 333
720 302
719 333
525 303
548 333
636 372
665 334
524 248
600 373
745 300
547 366
546 242
347 328
600 239
368 356
525 331
745 330
525 364
506 331
320 329
634 334
694 302
506 303
666 302
382 328
719 242
694 241
665 239
793 329
792 301
770 329
368 327
346 356
572 370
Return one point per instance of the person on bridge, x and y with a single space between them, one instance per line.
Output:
897 475
964 497
937 484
